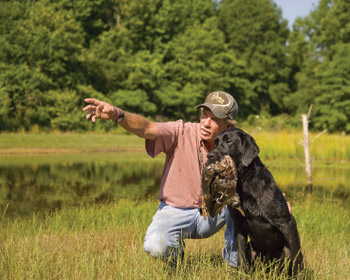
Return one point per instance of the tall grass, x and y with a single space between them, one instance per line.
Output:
273 145
105 242
287 145
71 141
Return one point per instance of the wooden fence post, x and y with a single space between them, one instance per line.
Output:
307 152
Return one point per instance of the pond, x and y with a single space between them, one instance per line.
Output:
30 184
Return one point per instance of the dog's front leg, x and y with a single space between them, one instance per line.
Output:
240 236
242 249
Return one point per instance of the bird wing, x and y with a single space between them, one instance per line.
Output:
219 182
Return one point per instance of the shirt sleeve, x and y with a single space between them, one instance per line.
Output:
168 133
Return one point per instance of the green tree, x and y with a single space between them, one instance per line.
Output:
256 32
106 60
199 62
318 49
22 97
332 105
303 63
63 110
95 16
331 25
53 43
42 51
135 60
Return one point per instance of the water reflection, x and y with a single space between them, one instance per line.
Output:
25 189
37 186
332 184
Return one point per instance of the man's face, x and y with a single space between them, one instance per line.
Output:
211 126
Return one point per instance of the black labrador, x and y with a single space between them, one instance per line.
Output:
266 218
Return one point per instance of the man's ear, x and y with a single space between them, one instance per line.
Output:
251 149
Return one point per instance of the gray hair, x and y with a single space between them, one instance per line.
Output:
232 123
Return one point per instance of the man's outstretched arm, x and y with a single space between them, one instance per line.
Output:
134 123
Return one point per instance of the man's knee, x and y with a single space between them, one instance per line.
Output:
157 245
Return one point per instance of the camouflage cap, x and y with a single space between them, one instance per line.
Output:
221 104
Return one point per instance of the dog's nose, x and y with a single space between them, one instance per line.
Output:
210 156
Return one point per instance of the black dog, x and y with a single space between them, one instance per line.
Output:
266 220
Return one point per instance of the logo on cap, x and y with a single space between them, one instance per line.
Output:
218 98
221 104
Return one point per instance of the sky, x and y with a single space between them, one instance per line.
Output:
291 9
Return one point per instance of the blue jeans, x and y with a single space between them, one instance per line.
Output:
170 226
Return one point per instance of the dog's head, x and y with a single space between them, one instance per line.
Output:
233 150
236 143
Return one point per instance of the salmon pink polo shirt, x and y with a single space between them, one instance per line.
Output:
181 181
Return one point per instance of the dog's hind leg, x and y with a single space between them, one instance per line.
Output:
293 249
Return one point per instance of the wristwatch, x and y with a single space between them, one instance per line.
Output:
120 117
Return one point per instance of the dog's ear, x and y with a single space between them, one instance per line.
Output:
251 149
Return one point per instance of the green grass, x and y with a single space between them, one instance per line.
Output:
71 141
105 242
326 149
286 145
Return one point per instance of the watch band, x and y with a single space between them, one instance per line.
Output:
120 118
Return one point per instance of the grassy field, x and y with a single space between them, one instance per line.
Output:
105 242
11 144
330 148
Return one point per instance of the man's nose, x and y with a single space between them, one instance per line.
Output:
207 122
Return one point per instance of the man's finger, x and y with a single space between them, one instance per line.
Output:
289 207
88 116
92 100
89 108
288 204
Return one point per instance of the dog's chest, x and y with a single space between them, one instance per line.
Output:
251 209
259 228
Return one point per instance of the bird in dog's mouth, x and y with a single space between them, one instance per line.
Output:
219 182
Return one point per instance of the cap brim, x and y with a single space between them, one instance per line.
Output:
218 113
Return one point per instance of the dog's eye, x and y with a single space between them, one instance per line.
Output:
216 142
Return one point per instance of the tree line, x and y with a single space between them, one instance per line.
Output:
160 58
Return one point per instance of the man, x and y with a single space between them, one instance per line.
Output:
186 146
